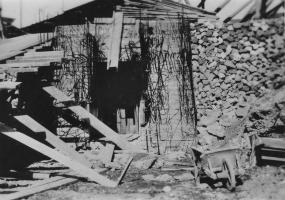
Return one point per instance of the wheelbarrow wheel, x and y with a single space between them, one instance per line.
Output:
228 169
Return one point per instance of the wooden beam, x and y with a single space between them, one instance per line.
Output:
51 138
274 10
63 159
47 184
23 64
273 159
238 11
125 170
44 54
19 69
260 9
219 8
202 4
29 60
9 85
116 39
58 95
103 129
127 21
107 153
277 143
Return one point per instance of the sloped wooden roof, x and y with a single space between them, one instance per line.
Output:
152 9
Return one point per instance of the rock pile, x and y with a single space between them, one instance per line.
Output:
233 65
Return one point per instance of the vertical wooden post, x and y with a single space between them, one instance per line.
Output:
136 118
130 124
1 23
142 113
119 121
117 28
123 127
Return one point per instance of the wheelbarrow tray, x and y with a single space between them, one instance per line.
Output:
215 157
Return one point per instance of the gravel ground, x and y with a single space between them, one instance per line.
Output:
259 183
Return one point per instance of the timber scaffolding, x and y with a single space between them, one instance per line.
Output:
122 72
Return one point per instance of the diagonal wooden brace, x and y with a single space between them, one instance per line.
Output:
58 156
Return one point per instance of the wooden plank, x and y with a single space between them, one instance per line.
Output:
273 158
136 119
103 129
28 60
114 52
19 69
58 95
107 153
125 170
44 54
247 3
219 8
257 5
51 138
37 57
65 160
123 124
127 21
9 85
23 64
47 184
277 143
142 120
15 46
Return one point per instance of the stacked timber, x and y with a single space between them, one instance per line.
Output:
233 65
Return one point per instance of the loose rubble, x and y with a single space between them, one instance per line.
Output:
234 64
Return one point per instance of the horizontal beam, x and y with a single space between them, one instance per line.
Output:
24 64
277 143
44 53
30 60
19 70
9 85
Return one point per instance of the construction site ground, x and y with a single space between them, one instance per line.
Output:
258 183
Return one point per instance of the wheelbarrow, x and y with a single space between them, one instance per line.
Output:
220 164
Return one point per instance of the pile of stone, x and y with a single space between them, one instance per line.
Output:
234 64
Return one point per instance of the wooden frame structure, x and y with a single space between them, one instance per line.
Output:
258 9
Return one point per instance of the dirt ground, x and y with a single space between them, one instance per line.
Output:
260 183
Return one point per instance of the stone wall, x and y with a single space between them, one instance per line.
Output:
234 64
